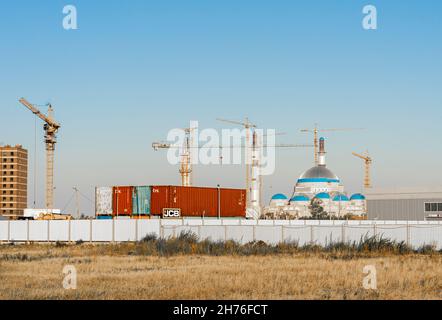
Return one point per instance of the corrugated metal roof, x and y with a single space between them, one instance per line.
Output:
403 193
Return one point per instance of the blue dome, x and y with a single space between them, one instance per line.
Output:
322 195
299 198
357 196
279 196
340 197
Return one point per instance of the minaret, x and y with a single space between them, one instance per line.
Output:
321 152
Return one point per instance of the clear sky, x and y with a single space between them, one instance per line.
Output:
135 69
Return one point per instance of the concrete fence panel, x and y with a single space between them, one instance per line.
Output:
125 230
18 231
80 230
148 227
269 234
103 230
185 229
396 232
241 234
355 233
59 231
300 234
421 235
325 235
38 230
4 230
214 233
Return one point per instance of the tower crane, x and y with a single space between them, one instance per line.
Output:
367 161
316 131
249 127
51 128
185 156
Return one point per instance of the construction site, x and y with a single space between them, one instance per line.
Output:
218 150
318 194
318 185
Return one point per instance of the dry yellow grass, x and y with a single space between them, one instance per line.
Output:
35 272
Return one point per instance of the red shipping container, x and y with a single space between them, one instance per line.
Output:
198 202
122 201
233 203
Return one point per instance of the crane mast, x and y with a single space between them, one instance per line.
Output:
316 131
186 161
185 156
51 128
249 154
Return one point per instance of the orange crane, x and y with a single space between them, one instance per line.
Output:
51 128
316 131
367 161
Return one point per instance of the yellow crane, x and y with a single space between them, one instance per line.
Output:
316 131
51 128
367 161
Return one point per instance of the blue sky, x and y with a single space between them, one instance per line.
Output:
135 69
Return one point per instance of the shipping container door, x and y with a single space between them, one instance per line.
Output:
122 201
159 199
141 200
103 201
233 203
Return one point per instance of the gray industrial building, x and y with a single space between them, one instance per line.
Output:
404 204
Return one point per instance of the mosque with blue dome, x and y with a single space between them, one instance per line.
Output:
318 183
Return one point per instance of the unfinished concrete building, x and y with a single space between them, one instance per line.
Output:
13 180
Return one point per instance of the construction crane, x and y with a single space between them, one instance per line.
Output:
367 161
51 128
185 156
316 131
248 126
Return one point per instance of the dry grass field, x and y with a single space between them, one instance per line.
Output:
121 272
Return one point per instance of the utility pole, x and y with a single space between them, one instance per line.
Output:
77 201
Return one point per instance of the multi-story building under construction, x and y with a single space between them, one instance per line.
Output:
13 180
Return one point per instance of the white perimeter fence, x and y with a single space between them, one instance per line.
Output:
414 233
